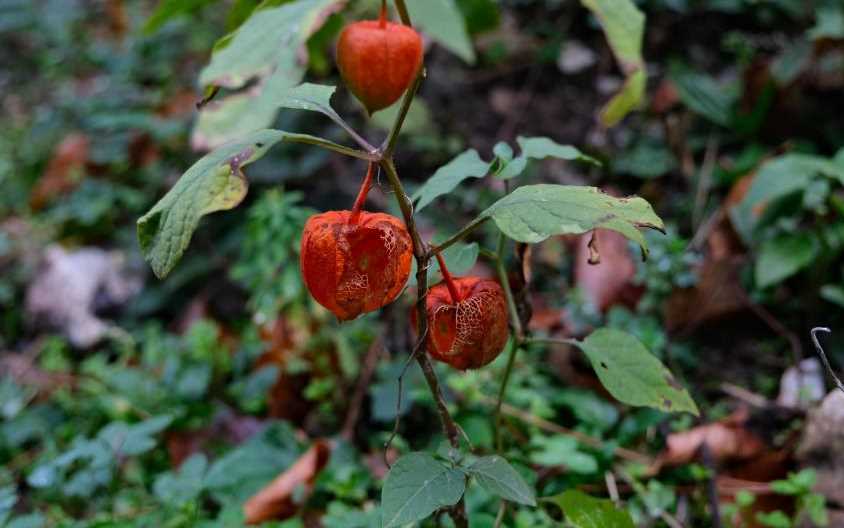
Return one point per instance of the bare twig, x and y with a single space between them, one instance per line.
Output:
821 353
585 439
422 256
355 404
704 180
778 328
742 394
711 488
612 487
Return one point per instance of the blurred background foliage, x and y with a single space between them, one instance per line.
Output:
128 401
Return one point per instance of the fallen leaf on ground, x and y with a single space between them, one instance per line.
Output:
609 281
276 500
64 171
728 439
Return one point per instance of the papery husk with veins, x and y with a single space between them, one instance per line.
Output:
352 267
467 321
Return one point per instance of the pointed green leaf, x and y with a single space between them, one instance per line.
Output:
625 101
416 486
783 256
537 148
443 22
624 26
307 96
214 183
632 374
583 511
267 48
167 10
533 213
498 477
466 165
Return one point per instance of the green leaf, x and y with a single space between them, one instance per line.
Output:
443 22
417 121
624 26
777 178
782 257
307 96
167 10
583 511
632 374
266 47
466 165
537 148
562 451
182 486
241 472
214 183
133 440
268 41
533 213
703 95
498 477
833 293
8 499
829 23
625 101
416 486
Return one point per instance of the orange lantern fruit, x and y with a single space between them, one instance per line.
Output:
354 262
467 320
378 60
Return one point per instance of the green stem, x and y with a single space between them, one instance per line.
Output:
330 145
518 336
552 341
390 143
460 235
403 14
362 193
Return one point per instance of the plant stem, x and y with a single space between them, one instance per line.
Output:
390 143
449 282
552 341
361 198
423 258
516 323
403 14
453 239
330 145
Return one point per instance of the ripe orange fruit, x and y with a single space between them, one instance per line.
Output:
355 267
378 60
467 321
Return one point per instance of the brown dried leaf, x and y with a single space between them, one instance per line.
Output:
64 171
275 501
727 439
610 281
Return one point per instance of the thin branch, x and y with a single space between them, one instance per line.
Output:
418 347
453 239
516 324
356 402
585 439
390 143
552 341
403 14
821 353
346 151
422 255
364 144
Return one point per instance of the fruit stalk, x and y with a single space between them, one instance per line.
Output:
449 282
362 194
